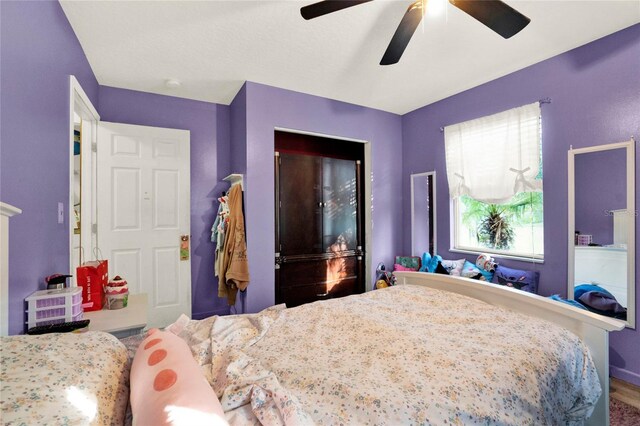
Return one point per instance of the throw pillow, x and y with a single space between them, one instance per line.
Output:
167 385
399 267
454 267
603 304
469 270
441 269
581 289
517 278
410 262
429 263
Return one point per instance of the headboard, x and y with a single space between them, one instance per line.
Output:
6 211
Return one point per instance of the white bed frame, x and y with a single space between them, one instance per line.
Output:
593 329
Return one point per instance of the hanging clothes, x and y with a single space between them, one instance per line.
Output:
218 232
234 270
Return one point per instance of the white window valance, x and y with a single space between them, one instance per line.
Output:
492 158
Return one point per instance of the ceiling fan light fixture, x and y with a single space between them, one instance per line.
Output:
435 8
494 14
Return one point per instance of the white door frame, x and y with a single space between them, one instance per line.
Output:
79 103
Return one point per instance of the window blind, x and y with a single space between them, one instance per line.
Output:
493 158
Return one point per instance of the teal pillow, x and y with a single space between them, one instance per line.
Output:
469 270
429 263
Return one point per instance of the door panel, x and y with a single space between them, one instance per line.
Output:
125 199
340 202
301 209
165 199
129 263
143 209
165 267
123 145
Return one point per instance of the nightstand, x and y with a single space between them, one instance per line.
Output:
121 322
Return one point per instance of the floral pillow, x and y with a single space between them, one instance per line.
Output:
412 263
399 267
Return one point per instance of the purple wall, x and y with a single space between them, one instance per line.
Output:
596 100
238 125
209 145
601 185
269 107
39 51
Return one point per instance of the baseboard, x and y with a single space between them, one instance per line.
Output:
203 315
626 375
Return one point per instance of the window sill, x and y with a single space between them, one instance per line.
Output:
527 259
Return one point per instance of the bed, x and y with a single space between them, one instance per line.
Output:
431 350
63 379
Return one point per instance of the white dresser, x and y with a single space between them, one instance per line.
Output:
604 266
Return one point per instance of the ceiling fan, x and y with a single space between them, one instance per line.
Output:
498 16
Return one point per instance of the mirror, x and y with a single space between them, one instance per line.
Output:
423 213
602 216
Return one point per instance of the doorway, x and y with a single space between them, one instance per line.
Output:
319 218
129 203
83 124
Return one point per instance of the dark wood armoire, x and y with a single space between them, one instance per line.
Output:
319 232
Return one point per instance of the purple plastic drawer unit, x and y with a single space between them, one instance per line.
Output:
54 306
585 239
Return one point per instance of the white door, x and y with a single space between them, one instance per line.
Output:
143 210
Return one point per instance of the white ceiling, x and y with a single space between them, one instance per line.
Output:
212 47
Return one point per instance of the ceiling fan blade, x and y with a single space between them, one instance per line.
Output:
324 7
403 34
498 16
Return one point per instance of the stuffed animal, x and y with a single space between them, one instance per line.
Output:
486 262
168 387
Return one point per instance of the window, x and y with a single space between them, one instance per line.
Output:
494 170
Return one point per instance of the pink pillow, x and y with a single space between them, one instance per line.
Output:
167 386
399 267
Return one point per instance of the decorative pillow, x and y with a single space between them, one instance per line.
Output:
516 278
429 263
399 267
573 303
469 270
604 304
454 267
581 289
441 269
410 262
167 386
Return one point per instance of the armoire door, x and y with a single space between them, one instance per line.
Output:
319 255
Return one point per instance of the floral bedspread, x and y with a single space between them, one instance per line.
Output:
63 379
400 355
